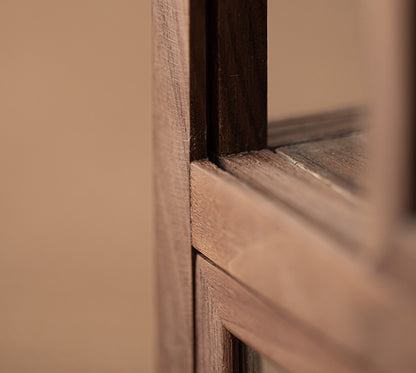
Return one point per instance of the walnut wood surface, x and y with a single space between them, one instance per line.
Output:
297 268
237 76
342 160
334 210
217 351
198 84
315 127
179 129
225 307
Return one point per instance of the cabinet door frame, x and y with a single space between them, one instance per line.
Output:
207 105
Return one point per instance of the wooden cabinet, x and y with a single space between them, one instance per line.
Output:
296 240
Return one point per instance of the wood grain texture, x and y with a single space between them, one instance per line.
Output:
237 76
217 350
177 64
225 306
250 360
307 274
342 160
198 83
315 127
334 210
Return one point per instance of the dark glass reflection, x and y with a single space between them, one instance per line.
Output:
253 362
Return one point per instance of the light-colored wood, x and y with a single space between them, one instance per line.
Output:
224 306
315 127
294 266
333 209
342 161
177 58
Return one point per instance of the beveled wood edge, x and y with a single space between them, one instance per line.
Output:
316 126
216 349
225 308
333 209
179 135
299 270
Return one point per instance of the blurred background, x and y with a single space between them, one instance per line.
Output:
76 275
76 262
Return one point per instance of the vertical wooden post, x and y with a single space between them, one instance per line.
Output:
217 350
235 34
237 76
179 136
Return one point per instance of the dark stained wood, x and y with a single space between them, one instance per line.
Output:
315 127
342 161
225 307
256 363
198 92
410 105
178 134
301 270
250 360
237 76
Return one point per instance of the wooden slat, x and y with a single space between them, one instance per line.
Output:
179 95
237 76
342 160
216 349
297 268
315 127
224 306
333 209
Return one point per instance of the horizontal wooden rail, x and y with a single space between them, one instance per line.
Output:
225 308
335 210
297 268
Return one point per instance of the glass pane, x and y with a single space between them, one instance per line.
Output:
316 57
318 89
253 362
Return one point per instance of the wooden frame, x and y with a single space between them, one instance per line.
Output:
179 136
180 111
237 100
257 241
280 243
225 309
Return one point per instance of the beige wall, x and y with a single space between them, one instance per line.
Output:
75 259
